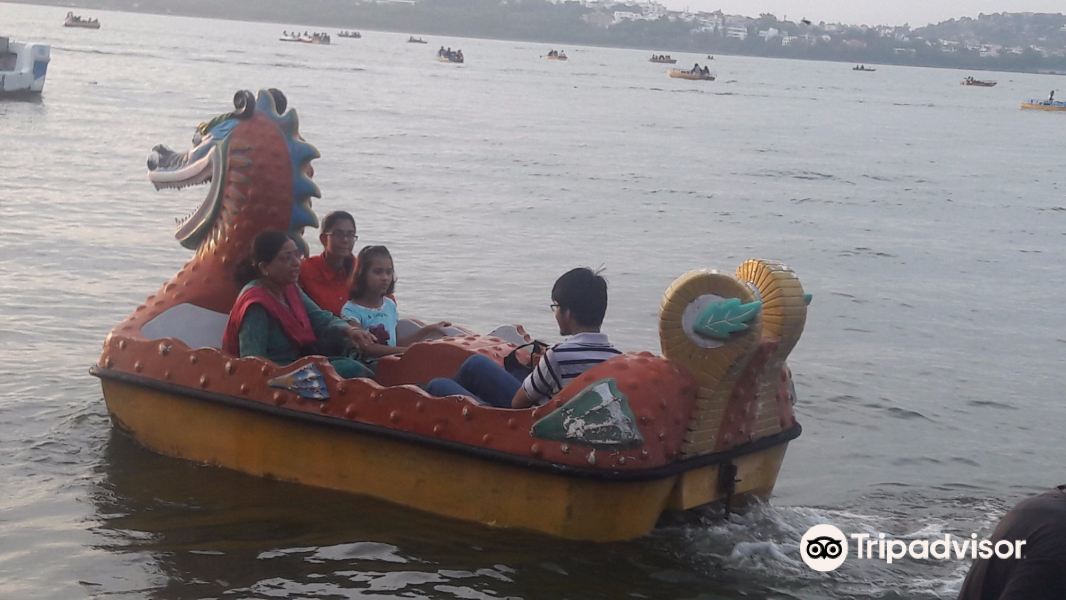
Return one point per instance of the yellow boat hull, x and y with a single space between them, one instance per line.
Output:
424 476
679 74
1057 107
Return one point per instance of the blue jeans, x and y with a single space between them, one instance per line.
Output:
479 377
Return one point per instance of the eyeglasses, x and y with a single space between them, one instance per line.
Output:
554 306
344 235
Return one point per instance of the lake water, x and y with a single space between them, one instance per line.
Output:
928 220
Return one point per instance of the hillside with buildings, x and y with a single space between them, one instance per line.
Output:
1031 42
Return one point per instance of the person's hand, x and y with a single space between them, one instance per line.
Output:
536 354
361 338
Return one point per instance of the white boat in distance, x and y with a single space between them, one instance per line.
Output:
23 67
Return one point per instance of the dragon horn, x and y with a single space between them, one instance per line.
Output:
244 104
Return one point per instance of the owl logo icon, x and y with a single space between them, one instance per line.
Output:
824 548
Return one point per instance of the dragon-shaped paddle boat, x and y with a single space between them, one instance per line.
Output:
707 421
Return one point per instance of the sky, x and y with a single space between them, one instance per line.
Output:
869 12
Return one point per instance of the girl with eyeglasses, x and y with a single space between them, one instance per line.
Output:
327 277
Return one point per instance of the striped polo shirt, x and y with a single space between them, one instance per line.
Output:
565 361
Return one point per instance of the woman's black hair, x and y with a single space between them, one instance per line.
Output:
583 292
265 248
362 263
331 220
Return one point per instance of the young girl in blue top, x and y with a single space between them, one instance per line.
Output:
370 305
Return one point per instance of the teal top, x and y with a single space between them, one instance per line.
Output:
260 335
380 322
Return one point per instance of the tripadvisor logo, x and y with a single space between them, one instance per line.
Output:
824 548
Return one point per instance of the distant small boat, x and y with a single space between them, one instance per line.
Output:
710 57
451 57
1051 105
414 40
349 34
553 55
978 82
693 75
862 68
662 58
22 67
314 38
74 20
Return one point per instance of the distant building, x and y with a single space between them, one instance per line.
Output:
625 15
708 22
769 34
737 33
949 46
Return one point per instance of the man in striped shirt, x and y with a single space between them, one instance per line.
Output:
579 300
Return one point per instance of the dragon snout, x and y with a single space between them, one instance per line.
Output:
157 156
162 156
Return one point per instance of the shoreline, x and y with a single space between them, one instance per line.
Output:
545 40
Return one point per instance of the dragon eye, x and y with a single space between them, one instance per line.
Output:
197 138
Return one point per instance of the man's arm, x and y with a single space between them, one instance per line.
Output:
539 386
521 399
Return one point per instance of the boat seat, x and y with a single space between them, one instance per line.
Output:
406 326
198 327
195 326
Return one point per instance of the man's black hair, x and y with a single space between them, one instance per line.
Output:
583 292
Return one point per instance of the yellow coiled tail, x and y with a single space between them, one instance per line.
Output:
784 312
711 324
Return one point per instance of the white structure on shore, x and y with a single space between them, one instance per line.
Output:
22 67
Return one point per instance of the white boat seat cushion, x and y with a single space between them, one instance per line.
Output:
194 325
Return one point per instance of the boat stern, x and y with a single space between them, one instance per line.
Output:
23 66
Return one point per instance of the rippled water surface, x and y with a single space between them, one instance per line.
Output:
927 218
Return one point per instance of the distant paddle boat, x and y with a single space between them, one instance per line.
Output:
306 38
73 20
978 82
349 34
862 68
641 434
23 67
1049 105
451 56
663 59
414 40
700 75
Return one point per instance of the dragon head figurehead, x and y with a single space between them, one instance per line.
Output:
259 172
